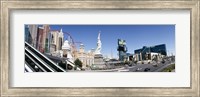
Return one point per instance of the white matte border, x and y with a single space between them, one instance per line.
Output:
180 78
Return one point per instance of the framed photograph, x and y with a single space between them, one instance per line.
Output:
100 48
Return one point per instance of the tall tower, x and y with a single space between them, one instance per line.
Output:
33 31
122 49
54 40
81 49
28 36
46 32
60 40
40 35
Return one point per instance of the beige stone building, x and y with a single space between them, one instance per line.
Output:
56 42
87 58
54 39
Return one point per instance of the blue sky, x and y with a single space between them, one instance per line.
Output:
136 36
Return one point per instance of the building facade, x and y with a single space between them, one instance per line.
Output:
40 35
33 31
27 35
60 40
122 49
53 41
149 53
87 58
45 39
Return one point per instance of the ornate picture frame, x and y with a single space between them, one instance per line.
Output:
8 5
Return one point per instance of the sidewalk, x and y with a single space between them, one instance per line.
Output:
161 68
173 70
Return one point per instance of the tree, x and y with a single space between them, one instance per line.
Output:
78 63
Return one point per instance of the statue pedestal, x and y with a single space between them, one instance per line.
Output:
98 57
98 60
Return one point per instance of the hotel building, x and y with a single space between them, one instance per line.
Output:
148 53
33 31
56 41
87 58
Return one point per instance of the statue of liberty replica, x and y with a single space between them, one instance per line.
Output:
98 49
98 57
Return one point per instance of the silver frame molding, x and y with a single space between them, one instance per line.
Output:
8 5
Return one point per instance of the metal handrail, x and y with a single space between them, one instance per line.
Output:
45 57
28 68
36 63
52 70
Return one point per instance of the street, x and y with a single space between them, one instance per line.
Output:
152 67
